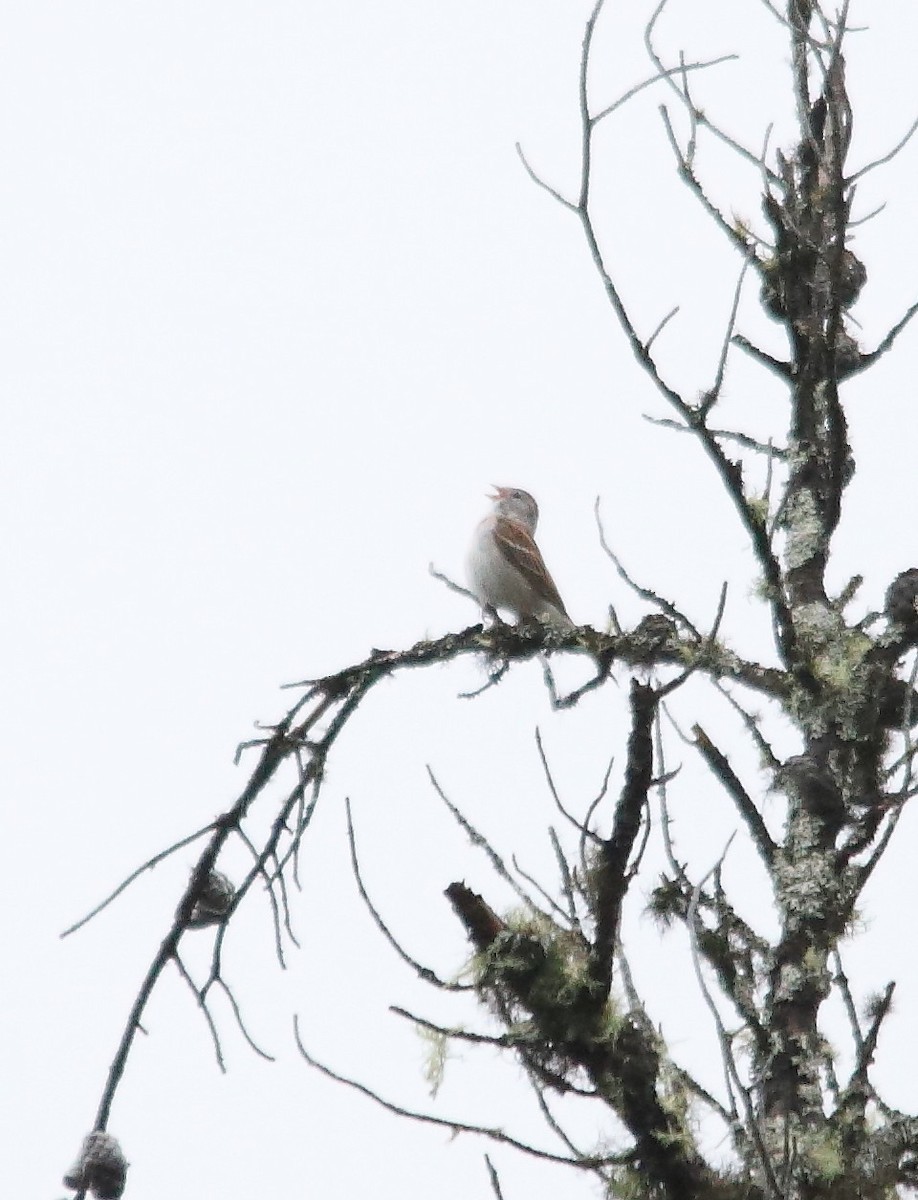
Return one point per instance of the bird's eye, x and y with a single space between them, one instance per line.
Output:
516 495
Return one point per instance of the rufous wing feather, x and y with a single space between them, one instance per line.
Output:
518 546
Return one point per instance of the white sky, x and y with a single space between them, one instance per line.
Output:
278 303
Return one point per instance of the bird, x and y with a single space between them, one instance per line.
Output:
505 568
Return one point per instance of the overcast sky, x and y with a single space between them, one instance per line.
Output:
278 304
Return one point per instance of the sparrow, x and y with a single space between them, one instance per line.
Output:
505 568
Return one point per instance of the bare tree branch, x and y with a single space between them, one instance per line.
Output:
780 368
721 769
611 869
419 969
888 157
682 69
494 1134
729 435
867 360
147 866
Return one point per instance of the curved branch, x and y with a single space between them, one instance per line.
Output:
147 866
731 1071
889 156
493 1133
783 370
696 115
664 73
720 767
419 969
867 360
479 840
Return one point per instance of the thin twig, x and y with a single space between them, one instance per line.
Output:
720 767
662 797
682 69
840 979
752 727
708 644
729 1062
201 1002
553 905
549 779
420 970
594 838
784 370
648 594
729 435
501 1041
540 182
889 156
695 114
495 675
478 839
494 1180
269 888
686 171
495 1134
874 212
659 329
552 1121
567 882
561 702
451 584
886 344
713 395
147 866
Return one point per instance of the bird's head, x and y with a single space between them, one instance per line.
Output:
516 504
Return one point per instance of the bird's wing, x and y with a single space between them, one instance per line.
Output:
518 547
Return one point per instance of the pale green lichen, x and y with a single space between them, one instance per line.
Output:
821 1151
814 961
742 227
627 1183
837 657
678 1137
841 667
611 1022
764 590
816 623
436 1046
804 873
556 960
805 714
789 983
676 1103
803 527
769 265
758 508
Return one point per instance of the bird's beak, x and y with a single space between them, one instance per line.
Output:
498 493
